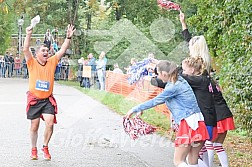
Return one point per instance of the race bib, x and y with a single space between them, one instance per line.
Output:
42 85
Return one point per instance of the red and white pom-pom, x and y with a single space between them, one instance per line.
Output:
129 128
135 127
168 5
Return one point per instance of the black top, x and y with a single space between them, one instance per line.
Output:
186 35
6 59
221 107
47 43
200 85
11 59
157 82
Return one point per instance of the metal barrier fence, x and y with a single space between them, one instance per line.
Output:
19 70
9 70
34 38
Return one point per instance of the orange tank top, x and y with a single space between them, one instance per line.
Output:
41 78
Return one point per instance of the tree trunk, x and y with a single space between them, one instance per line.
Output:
76 6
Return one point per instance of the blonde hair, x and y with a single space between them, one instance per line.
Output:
170 68
195 62
198 47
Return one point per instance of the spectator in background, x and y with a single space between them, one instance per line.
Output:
55 46
91 62
7 65
117 69
58 71
55 33
11 64
101 67
17 66
25 70
38 42
65 67
48 35
80 69
67 63
47 42
1 66
103 54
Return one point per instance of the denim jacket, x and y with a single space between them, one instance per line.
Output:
179 98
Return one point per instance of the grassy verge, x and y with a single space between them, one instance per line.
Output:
122 105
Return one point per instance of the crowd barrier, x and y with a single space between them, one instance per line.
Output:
140 91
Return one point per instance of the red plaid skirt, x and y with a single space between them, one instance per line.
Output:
186 135
215 133
225 125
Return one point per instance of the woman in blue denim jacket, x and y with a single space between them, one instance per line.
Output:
181 101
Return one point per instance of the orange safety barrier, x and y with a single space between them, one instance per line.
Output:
140 91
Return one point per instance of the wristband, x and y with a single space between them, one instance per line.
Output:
69 37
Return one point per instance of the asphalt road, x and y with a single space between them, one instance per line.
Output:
87 134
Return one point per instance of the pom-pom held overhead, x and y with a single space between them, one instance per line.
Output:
169 5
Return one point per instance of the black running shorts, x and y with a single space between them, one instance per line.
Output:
41 107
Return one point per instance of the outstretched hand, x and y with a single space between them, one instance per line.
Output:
182 17
29 30
70 31
130 113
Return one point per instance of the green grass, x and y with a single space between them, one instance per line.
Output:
239 132
122 105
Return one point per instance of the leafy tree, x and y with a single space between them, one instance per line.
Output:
6 24
143 14
53 13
